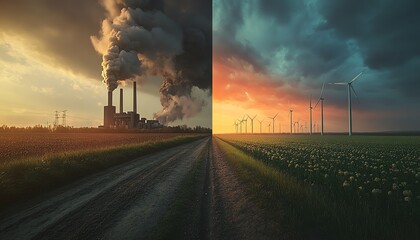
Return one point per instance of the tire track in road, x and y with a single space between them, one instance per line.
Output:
125 201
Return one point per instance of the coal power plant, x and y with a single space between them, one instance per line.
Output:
130 119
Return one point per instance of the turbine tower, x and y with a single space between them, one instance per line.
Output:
273 120
291 120
321 99
349 89
252 122
261 125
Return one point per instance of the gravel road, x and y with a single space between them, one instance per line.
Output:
124 202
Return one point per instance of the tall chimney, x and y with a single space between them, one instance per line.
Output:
121 100
134 98
109 98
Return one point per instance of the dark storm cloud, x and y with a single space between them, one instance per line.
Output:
225 44
282 10
58 29
387 33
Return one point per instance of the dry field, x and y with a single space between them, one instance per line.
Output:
16 146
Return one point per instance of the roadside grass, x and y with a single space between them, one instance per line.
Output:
308 210
182 219
29 177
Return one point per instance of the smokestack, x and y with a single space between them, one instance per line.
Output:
134 98
109 98
121 101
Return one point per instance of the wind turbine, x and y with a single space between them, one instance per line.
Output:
349 89
261 125
321 99
245 119
252 122
240 125
236 126
273 120
291 119
310 115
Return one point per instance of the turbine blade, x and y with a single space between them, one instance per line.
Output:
322 89
317 103
354 79
340 83
275 115
357 98
351 86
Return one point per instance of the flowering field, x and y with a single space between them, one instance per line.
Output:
380 174
15 146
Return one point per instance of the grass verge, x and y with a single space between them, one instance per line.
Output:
33 176
182 219
307 210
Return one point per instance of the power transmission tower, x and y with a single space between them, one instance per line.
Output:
56 119
64 117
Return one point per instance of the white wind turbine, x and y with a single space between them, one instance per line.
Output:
291 119
273 120
245 119
321 99
240 125
310 115
252 122
349 89
261 125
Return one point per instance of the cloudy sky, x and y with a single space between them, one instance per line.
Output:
48 61
272 54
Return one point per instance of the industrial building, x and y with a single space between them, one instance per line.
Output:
123 119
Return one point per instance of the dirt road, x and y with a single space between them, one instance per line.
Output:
128 202
124 202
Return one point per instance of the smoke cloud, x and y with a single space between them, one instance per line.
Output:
141 38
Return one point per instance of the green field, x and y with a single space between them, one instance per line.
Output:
366 187
26 177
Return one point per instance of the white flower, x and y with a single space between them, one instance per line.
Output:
376 191
346 184
394 186
407 193
407 199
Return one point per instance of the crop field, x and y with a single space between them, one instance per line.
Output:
376 178
14 146
49 165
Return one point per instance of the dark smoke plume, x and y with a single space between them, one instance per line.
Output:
161 37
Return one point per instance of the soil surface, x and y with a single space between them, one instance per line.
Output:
127 202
